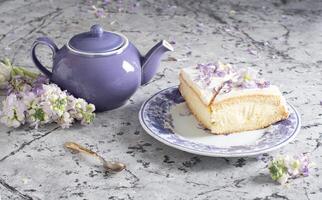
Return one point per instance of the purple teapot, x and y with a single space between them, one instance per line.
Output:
101 67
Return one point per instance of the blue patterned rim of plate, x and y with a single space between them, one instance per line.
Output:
156 119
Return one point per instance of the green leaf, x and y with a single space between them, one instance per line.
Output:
39 114
277 169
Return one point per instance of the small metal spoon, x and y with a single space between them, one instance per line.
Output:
108 165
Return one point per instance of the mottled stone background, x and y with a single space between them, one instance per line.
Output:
281 38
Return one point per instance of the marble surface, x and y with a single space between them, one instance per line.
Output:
281 38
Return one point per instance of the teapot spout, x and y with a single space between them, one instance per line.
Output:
151 61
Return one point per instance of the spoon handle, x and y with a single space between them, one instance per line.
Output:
78 148
109 165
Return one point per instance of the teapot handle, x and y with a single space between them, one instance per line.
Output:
44 41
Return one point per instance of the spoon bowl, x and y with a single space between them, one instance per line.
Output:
114 166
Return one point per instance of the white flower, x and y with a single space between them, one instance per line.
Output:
13 112
88 114
283 179
227 68
246 78
29 99
293 165
55 100
283 167
82 111
247 74
50 105
35 113
65 121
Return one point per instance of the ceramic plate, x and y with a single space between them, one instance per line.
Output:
166 117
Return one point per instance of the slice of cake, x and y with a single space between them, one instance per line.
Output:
226 99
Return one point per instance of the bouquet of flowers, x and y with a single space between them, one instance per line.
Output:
283 168
31 99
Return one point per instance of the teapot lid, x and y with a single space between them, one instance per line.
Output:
97 42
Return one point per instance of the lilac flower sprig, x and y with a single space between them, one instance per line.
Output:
243 78
32 100
247 78
283 168
101 8
99 12
209 71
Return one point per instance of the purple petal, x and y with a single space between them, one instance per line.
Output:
100 13
264 84
42 79
220 73
105 2
305 170
38 90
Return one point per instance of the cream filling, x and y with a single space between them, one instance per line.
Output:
242 113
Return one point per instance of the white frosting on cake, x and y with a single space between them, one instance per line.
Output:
206 91
212 87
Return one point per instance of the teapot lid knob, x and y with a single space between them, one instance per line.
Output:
97 30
